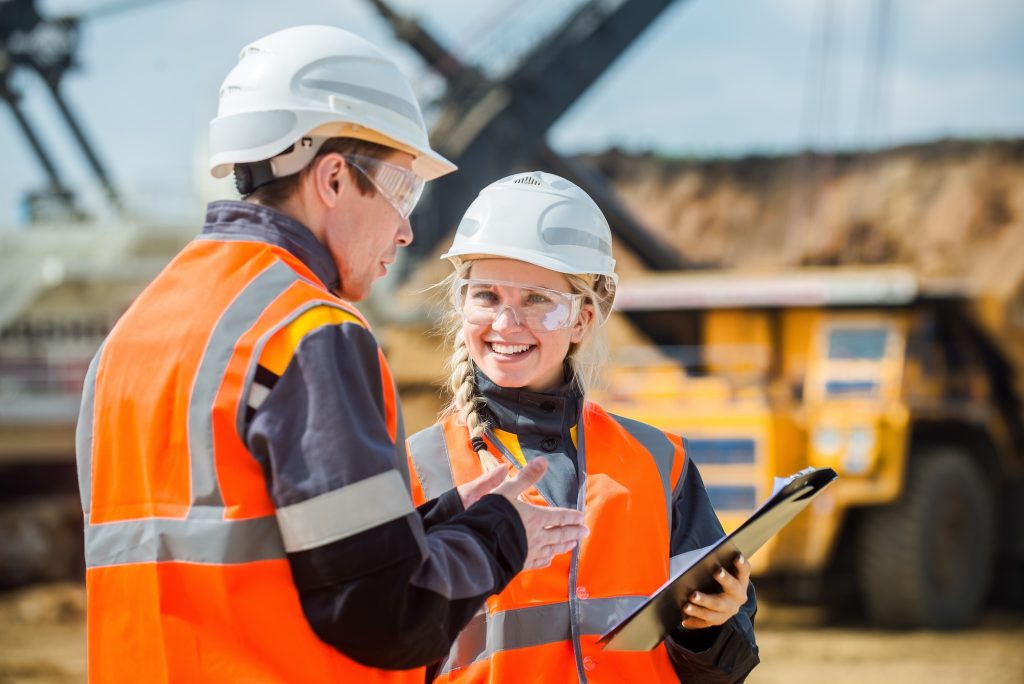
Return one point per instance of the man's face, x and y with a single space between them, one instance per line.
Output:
364 232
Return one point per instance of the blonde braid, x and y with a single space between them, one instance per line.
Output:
462 384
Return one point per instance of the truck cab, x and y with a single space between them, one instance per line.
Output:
863 372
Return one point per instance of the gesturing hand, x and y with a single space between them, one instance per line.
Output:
471 492
549 531
709 610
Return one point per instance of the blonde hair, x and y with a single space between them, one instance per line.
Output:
585 357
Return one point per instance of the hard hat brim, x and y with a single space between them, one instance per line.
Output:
529 257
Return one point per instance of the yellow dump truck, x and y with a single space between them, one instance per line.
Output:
910 390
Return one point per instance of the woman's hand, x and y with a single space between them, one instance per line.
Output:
709 610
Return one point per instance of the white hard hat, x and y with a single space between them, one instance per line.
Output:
539 218
320 82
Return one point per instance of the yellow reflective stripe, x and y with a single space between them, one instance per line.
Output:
511 442
280 348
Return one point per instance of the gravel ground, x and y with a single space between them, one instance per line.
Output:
42 641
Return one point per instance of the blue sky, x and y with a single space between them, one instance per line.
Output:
711 77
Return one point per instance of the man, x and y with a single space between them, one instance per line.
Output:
240 445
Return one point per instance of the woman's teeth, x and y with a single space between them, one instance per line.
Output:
510 348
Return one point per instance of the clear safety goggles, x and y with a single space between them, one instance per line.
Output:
401 187
481 302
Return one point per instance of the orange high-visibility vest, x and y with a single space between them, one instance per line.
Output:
187 577
544 626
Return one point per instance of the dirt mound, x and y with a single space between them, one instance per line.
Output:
946 209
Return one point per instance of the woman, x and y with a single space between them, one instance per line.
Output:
534 280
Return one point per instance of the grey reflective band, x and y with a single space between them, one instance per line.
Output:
599 615
239 316
575 614
345 511
429 454
83 432
576 238
660 447
371 95
192 540
534 626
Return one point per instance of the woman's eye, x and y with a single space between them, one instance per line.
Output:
483 297
537 298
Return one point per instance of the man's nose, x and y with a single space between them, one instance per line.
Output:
404 235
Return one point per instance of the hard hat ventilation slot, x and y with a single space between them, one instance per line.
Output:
527 180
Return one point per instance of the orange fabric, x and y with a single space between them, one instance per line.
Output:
137 485
387 385
626 554
171 621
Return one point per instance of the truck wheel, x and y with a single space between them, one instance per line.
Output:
927 559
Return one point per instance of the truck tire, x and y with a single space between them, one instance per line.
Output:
927 560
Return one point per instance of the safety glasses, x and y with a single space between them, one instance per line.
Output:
399 186
481 302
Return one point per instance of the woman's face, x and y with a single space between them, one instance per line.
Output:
510 352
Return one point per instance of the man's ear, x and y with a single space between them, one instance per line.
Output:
328 175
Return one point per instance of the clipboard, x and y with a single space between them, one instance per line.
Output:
650 622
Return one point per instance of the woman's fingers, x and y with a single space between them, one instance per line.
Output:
742 568
707 610
731 586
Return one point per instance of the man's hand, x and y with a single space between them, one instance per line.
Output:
708 610
549 531
471 492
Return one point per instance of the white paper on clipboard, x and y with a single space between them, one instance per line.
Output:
649 623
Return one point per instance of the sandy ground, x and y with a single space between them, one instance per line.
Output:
42 641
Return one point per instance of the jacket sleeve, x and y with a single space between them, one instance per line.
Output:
440 509
386 584
723 654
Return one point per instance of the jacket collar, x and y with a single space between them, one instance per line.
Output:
271 226
514 409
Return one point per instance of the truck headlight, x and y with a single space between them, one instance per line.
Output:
827 441
860 450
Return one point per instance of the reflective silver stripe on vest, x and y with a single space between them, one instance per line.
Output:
205 536
239 316
429 454
531 626
201 540
575 613
660 447
83 433
345 511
